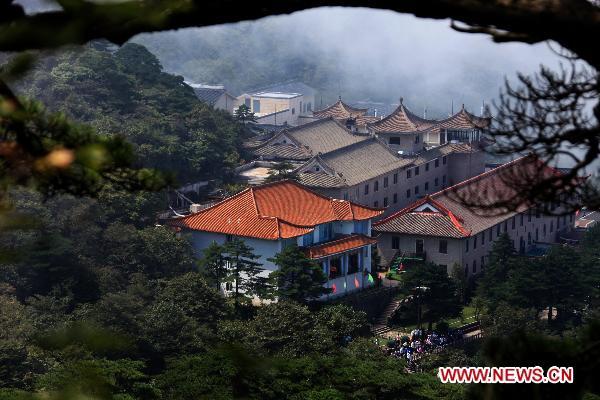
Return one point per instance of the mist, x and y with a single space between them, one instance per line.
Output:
370 54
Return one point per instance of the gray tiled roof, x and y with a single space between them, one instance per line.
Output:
321 180
420 223
363 160
209 95
317 137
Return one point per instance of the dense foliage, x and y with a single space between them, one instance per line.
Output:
125 92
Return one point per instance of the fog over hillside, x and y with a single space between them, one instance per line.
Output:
357 53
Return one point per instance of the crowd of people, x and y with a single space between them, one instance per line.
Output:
419 343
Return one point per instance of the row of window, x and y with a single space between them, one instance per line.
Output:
513 223
408 192
408 176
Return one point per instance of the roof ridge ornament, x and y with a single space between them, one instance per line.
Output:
401 100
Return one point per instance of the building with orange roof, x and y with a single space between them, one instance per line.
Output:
335 233
444 229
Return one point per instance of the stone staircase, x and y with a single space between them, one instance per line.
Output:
379 327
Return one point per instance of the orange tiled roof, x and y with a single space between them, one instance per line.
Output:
339 246
273 211
455 219
340 110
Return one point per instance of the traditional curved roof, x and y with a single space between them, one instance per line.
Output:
273 211
401 120
464 120
444 214
340 110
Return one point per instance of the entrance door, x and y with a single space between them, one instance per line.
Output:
419 246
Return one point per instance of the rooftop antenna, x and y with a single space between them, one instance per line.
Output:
482 107
401 100
452 108
425 113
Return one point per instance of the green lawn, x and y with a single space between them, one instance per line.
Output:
468 316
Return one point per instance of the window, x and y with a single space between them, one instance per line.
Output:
482 238
505 226
395 200
395 178
551 226
436 182
247 102
474 267
353 263
394 140
443 246
437 162
444 160
407 193
385 201
491 233
528 237
308 239
335 267
361 227
537 235
467 246
345 195
537 212
466 269
498 230
416 171
293 111
395 242
375 204
426 167
367 188
444 180
385 182
529 215
474 242
482 262
426 186
417 139
419 246
521 223
544 230
325 232
408 173
416 190
301 107
376 186
514 221
309 106
256 106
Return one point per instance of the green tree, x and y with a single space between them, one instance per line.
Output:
213 264
280 171
439 299
297 277
243 114
243 271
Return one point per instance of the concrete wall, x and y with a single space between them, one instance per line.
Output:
407 142
465 165
225 102
264 248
